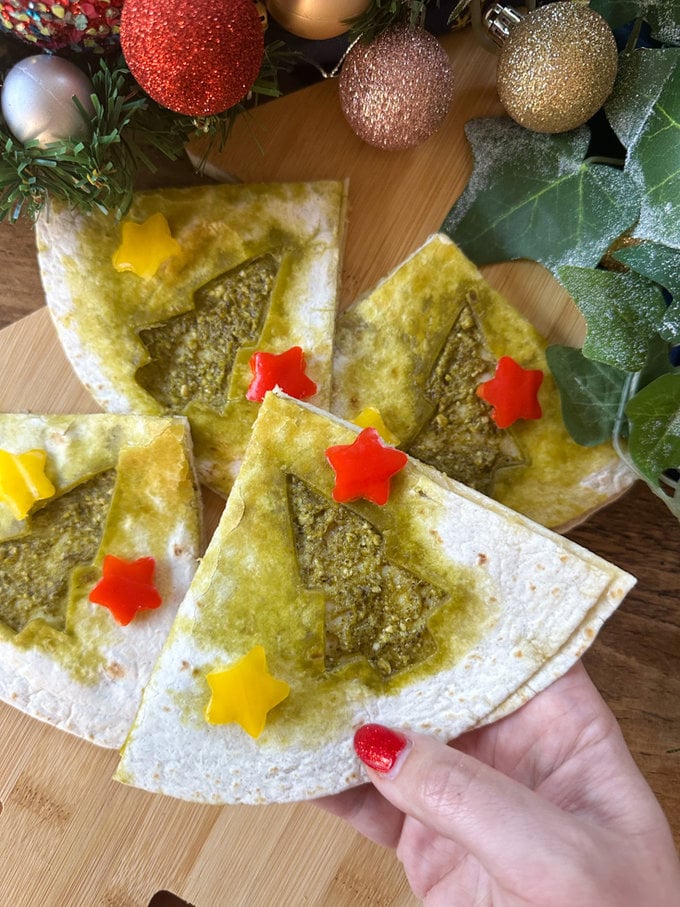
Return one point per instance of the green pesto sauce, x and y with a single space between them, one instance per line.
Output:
250 592
460 438
35 568
373 609
192 354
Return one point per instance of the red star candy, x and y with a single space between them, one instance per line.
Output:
364 468
126 587
287 371
512 392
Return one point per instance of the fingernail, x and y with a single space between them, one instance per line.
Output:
380 747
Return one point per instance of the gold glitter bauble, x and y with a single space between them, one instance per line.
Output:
557 67
316 19
396 91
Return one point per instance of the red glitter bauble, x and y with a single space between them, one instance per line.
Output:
196 57
57 24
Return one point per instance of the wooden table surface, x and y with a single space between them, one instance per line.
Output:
635 661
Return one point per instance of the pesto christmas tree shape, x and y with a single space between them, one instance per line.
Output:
460 438
36 568
374 608
192 354
465 633
416 348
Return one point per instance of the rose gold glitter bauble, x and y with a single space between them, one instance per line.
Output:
396 91
196 57
316 19
557 67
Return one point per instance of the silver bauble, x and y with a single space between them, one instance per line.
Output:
37 100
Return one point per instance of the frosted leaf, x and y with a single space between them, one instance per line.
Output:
663 16
644 111
623 312
531 195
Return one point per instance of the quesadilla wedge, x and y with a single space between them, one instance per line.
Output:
92 507
418 349
310 615
162 313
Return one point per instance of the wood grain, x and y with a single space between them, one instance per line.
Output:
69 836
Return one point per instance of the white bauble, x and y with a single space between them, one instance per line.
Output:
37 100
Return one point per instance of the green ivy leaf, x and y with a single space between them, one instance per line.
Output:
590 394
662 265
644 111
659 263
622 311
654 418
662 15
532 196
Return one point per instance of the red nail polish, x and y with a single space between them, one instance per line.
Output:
379 747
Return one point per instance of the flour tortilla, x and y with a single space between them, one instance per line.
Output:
388 341
524 597
87 676
99 312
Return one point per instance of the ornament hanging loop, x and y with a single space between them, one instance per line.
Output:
492 21
499 20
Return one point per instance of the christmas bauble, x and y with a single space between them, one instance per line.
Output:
57 24
396 91
557 67
196 57
37 100
316 19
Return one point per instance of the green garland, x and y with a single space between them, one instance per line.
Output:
129 129
381 14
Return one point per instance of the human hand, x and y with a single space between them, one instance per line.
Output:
544 807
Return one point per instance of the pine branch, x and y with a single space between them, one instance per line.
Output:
127 126
381 14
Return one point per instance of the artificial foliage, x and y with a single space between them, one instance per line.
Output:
129 128
607 225
603 215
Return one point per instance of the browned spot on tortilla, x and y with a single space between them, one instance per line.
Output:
115 670
482 558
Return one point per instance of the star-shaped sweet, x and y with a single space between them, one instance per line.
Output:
126 587
244 693
23 480
370 417
284 370
364 468
512 392
144 247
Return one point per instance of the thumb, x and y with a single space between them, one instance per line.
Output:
496 819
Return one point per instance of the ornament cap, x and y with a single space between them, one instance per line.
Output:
499 20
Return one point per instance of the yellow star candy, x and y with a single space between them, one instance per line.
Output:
145 246
245 693
23 480
371 418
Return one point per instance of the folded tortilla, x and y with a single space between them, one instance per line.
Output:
126 486
256 267
417 346
469 604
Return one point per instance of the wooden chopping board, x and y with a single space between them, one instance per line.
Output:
69 836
